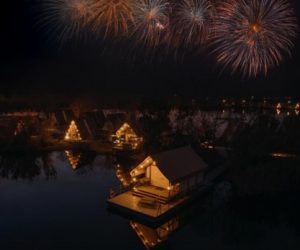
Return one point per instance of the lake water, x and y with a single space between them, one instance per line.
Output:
56 207
66 210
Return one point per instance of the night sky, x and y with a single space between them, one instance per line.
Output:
32 62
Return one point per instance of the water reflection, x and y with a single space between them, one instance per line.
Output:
153 237
19 165
73 157
31 165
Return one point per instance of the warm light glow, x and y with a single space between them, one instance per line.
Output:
127 137
73 133
73 158
255 28
283 155
141 167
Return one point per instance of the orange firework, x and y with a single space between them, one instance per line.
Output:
191 23
113 16
151 19
65 18
253 35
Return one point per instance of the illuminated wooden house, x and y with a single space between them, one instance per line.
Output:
160 183
126 138
169 174
72 133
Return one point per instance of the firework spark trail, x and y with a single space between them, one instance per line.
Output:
66 18
151 19
191 23
253 35
113 16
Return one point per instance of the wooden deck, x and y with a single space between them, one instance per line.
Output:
132 202
160 192
129 204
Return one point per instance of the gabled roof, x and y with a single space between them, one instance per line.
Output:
179 164
91 123
116 120
64 117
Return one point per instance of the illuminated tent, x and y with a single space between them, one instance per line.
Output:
72 133
126 137
168 174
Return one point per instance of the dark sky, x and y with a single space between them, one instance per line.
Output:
31 62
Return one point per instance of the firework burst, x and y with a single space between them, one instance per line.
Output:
253 35
114 16
151 19
65 18
191 23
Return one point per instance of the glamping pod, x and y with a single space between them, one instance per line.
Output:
126 138
168 175
72 133
161 182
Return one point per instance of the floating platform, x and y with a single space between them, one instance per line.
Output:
129 205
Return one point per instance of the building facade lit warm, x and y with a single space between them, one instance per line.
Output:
126 138
168 175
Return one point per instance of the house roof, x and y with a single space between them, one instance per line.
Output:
116 120
179 164
91 123
64 117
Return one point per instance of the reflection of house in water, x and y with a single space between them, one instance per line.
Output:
162 182
73 158
126 138
152 237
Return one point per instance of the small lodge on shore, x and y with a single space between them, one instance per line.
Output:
72 133
162 182
126 138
